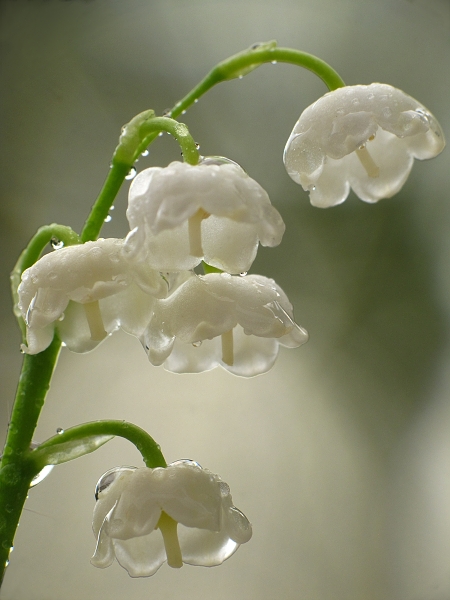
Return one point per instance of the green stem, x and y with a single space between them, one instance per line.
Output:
16 470
136 136
244 62
105 200
150 450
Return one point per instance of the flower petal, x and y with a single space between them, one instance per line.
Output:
141 556
205 548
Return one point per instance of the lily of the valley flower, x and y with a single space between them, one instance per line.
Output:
220 319
364 137
182 514
106 290
182 213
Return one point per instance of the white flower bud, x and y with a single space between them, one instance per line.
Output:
182 514
106 290
220 319
183 213
364 137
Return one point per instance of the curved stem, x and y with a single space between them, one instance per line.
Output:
16 470
150 450
135 137
244 62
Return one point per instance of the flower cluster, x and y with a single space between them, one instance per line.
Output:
179 514
145 284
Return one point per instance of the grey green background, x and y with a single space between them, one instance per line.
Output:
340 456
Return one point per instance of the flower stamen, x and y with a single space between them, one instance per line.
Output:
95 321
195 232
227 348
367 162
168 528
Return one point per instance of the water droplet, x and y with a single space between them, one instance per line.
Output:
56 244
167 112
362 147
256 45
131 173
23 349
195 101
112 207
372 137
107 478
6 562
423 115
243 274
197 344
183 112
218 160
197 146
224 489
274 62
11 549
185 461
41 475
145 153
108 218
60 431
241 76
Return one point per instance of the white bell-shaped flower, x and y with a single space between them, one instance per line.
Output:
179 514
107 291
364 137
219 319
182 213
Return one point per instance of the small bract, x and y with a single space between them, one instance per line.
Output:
182 213
86 291
179 514
219 319
364 137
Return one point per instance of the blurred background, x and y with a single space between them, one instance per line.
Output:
340 456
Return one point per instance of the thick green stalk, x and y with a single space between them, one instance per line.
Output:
16 470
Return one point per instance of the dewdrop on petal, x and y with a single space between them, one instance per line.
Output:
180 514
214 211
363 137
237 322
